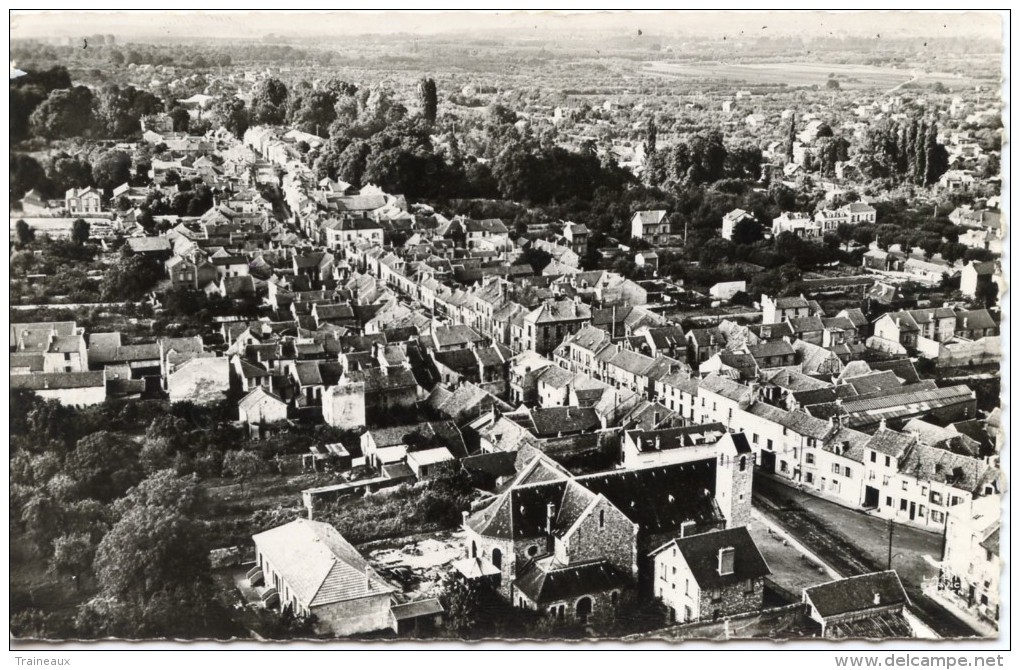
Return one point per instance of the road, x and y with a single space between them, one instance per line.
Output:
854 543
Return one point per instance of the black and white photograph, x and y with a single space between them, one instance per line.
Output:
414 327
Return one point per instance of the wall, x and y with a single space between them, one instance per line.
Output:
79 397
200 380
352 617
344 406
605 533
736 599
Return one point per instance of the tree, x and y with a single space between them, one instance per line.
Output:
936 159
651 138
24 232
233 116
747 232
243 464
163 489
832 84
65 113
150 549
72 556
112 169
104 465
791 137
80 231
269 102
180 118
67 172
428 99
119 110
26 174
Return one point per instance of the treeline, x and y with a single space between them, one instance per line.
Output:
49 106
907 152
701 159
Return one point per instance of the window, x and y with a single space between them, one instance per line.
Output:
888 461
835 468
687 587
768 444
888 501
809 458
674 569
602 519
903 504
743 463
904 484
936 498
874 457
809 478
754 438
937 517
924 490
783 466
846 471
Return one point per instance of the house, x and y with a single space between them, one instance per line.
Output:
658 446
78 389
975 324
971 567
154 246
783 309
730 221
313 570
710 575
798 223
978 278
703 343
185 273
201 380
726 290
653 226
545 327
576 236
260 407
855 606
369 396
83 200
430 463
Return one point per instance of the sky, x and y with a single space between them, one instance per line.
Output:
147 25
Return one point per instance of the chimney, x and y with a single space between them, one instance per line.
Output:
550 517
726 555
687 528
658 443
464 516
878 598
881 424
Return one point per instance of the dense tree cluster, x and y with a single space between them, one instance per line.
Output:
907 152
703 159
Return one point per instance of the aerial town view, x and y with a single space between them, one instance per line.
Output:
613 326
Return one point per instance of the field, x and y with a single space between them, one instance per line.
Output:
805 74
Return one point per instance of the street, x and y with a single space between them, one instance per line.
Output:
853 542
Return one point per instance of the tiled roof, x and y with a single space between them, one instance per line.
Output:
857 594
318 564
554 584
890 442
43 381
701 552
